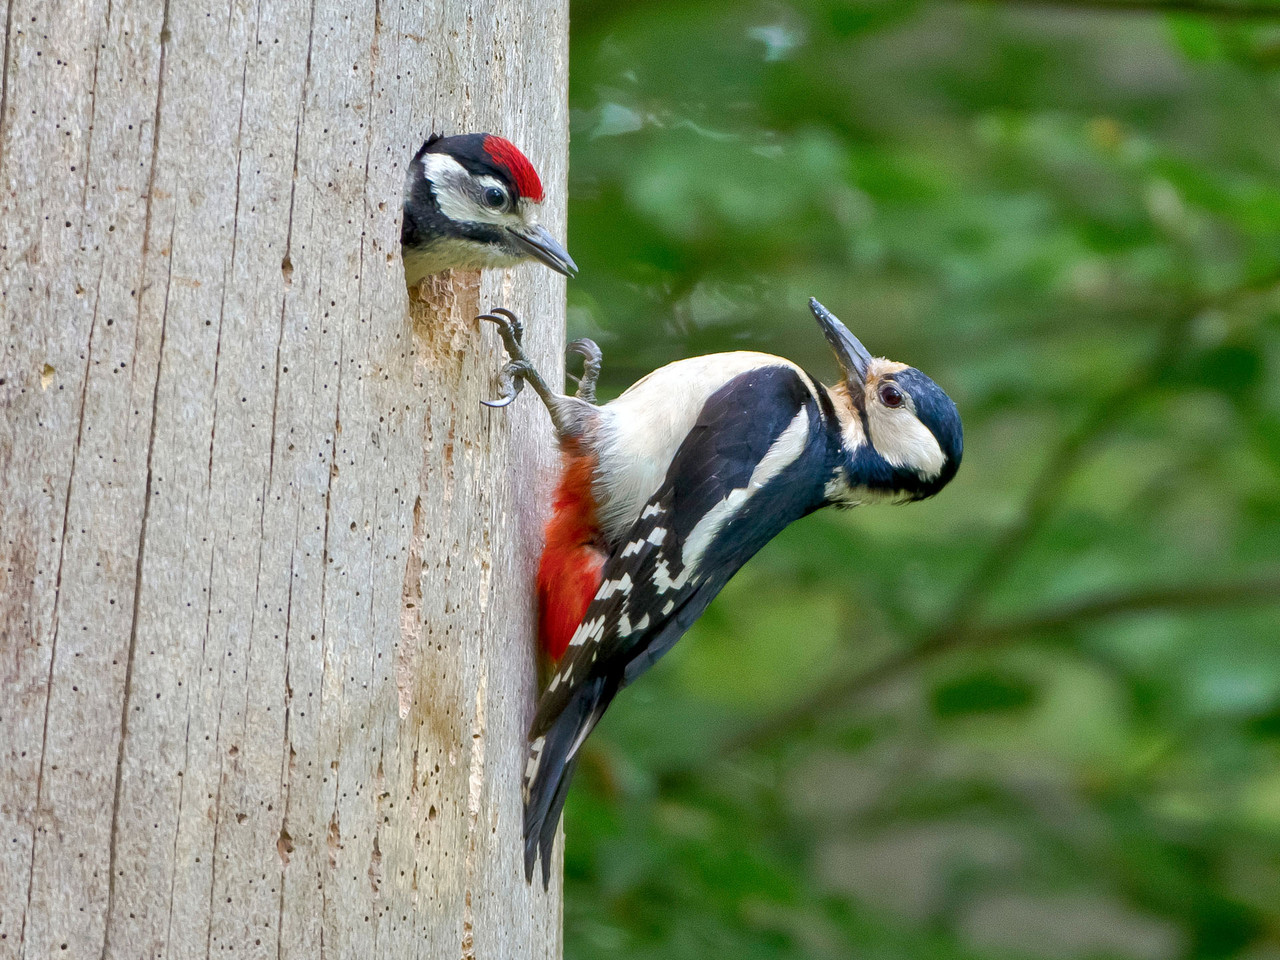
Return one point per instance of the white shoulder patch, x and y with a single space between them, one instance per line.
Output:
784 452
643 428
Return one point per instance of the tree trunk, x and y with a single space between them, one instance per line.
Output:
265 562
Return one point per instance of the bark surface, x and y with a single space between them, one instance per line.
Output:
266 657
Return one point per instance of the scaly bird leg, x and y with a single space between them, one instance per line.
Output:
520 370
591 359
513 374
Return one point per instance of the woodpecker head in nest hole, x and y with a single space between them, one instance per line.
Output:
472 201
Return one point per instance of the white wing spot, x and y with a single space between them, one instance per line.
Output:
652 510
662 577
657 535
610 587
531 768
671 605
633 547
587 631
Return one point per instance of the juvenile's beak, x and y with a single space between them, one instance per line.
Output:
853 356
540 245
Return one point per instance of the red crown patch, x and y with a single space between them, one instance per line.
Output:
504 153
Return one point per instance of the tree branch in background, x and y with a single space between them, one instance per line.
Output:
956 628
1187 598
1101 417
1047 489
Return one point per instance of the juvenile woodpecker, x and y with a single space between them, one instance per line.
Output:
470 202
668 490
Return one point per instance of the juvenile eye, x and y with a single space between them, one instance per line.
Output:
890 395
494 197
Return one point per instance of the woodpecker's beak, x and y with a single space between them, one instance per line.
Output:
540 245
853 356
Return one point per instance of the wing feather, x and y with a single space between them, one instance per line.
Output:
652 588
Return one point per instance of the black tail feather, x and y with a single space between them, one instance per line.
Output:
555 761
545 840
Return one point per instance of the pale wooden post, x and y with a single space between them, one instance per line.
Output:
265 562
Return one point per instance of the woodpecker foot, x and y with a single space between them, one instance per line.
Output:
509 325
591 359
520 370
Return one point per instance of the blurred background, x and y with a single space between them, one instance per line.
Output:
1039 716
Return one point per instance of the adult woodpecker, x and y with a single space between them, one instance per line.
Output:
669 489
471 201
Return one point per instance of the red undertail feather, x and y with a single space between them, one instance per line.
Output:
572 558
506 153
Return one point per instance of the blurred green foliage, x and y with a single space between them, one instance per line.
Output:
1038 716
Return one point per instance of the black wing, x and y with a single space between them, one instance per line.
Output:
704 522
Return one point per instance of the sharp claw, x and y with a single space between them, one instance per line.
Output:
591 359
511 390
517 325
519 368
501 318
511 326
510 329
510 383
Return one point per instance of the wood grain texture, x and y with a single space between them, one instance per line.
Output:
265 562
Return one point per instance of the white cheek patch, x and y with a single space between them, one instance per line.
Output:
451 185
904 441
447 179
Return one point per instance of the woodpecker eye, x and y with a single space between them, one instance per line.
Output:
890 395
494 197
